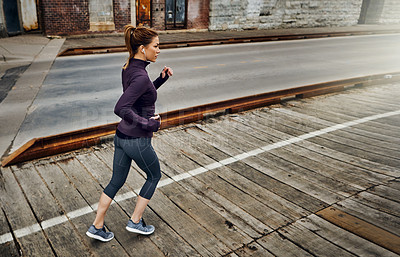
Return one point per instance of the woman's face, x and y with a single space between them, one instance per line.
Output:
152 50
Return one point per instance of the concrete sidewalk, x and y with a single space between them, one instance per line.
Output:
34 54
196 35
38 53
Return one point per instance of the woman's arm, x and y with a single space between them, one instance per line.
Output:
164 75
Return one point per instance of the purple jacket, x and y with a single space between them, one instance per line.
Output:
137 103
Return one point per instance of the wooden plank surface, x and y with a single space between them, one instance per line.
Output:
307 239
272 128
90 191
273 201
178 195
173 214
68 199
361 136
279 245
378 203
346 240
20 216
362 228
46 207
386 192
343 145
229 210
380 219
253 249
7 247
216 199
395 184
166 239
322 112
276 168
318 162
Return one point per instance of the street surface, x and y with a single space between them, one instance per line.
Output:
81 91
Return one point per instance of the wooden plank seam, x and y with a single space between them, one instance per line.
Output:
80 212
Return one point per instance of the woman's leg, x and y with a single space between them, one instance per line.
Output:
139 209
121 166
104 204
147 160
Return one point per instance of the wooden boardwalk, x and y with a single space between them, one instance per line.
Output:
313 177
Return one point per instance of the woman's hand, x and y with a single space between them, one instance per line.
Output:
167 70
156 117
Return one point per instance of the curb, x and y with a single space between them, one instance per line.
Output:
223 40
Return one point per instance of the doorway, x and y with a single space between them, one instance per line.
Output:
371 11
143 13
11 14
175 14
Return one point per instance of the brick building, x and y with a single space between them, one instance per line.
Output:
72 17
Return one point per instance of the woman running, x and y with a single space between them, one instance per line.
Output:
136 108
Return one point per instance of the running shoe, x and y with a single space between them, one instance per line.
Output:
140 228
99 234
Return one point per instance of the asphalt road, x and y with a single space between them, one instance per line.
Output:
81 91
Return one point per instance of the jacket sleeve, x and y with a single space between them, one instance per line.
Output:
137 87
159 81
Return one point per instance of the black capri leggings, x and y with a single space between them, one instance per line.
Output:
141 151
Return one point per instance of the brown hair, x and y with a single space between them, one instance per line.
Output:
135 37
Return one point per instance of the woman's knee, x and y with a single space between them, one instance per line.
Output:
112 189
157 177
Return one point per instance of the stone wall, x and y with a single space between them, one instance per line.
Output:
391 12
267 14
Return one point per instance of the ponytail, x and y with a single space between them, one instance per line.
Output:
135 37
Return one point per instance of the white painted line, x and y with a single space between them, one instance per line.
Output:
124 196
6 238
137 191
228 161
255 152
80 212
165 182
181 176
27 230
55 221
200 170
213 166
241 156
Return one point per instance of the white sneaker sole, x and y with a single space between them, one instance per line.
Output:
133 230
98 237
